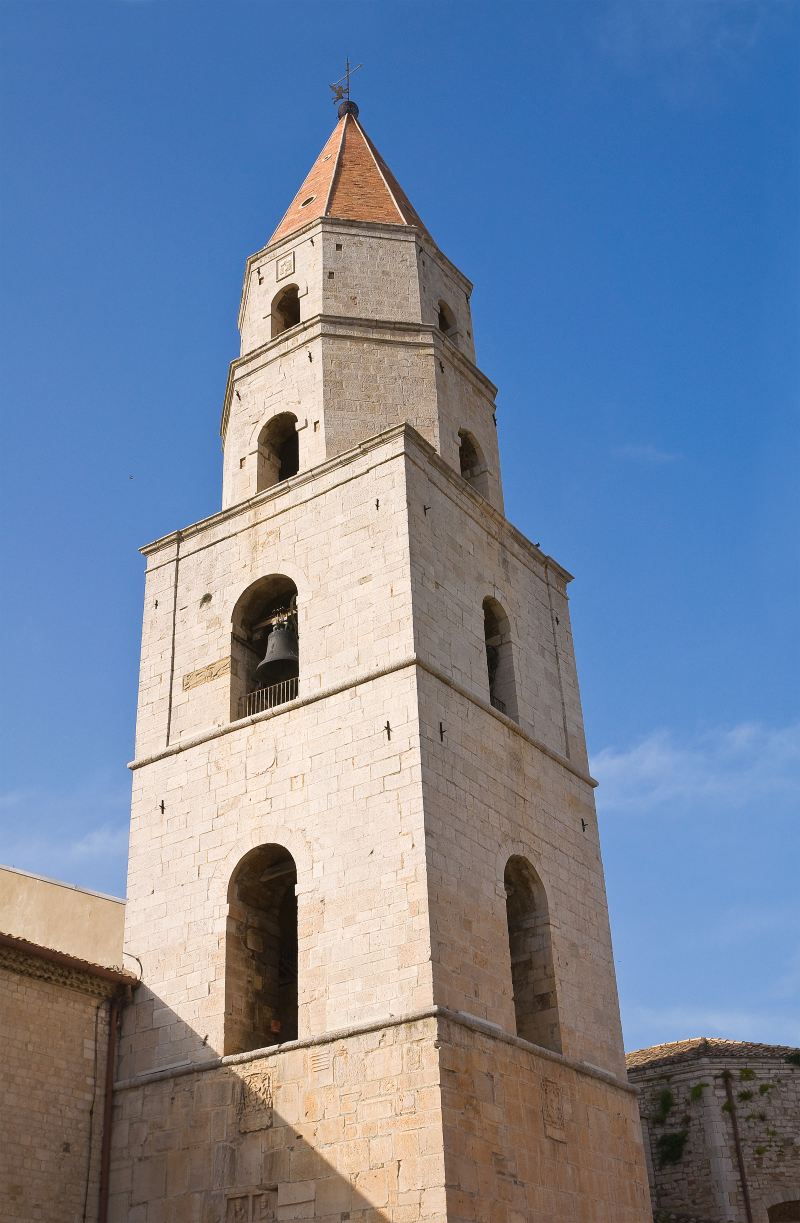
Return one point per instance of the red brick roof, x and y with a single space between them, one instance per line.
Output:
703 1046
349 181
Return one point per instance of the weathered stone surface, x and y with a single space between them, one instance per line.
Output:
688 1116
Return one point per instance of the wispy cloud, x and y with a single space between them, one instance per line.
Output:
742 923
680 44
636 32
79 835
646 453
741 765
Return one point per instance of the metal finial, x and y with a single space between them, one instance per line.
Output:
341 91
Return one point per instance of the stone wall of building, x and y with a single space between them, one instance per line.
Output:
490 794
328 781
462 552
400 794
55 1035
429 1118
347 1127
690 1119
534 1136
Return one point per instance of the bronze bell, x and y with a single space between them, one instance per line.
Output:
281 659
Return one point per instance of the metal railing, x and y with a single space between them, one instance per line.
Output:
498 704
268 698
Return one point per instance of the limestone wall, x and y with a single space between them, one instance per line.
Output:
461 554
488 794
427 1118
688 1129
54 1059
285 377
296 260
327 783
340 536
528 1138
344 1128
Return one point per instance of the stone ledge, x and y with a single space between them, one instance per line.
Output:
343 326
366 677
470 1022
411 439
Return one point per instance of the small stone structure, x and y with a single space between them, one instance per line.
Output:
721 1122
56 1013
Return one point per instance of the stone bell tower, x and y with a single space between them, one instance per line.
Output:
365 882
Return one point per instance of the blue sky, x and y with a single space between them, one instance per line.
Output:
619 178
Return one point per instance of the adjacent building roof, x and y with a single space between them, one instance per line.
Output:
703 1046
349 181
10 943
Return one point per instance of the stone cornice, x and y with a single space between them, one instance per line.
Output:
400 232
356 681
277 491
482 512
443 1015
378 331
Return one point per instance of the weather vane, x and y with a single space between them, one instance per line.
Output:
341 88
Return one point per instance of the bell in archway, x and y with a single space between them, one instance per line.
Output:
281 659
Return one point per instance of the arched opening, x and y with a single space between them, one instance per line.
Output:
278 451
533 978
785 1212
261 951
265 660
499 662
285 310
471 463
446 320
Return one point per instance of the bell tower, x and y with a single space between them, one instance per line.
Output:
365 884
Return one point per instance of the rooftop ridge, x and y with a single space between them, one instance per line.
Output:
675 1050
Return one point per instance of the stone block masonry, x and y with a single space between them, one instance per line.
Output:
430 1118
54 1022
721 1120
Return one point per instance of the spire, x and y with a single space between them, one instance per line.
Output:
349 181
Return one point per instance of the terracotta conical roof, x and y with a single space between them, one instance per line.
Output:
349 181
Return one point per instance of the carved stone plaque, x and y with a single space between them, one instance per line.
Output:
255 1102
257 1206
284 266
263 1207
553 1110
213 671
237 1209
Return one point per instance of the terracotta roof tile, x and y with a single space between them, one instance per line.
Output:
349 181
703 1046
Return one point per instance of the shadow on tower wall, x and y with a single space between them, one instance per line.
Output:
332 1129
